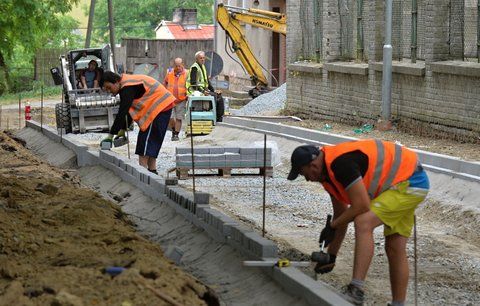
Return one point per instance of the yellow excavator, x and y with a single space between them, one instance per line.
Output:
231 18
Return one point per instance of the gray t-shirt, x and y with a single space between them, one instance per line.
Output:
90 77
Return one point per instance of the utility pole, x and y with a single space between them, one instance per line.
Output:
385 123
215 25
111 27
90 23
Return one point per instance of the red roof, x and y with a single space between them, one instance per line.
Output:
203 32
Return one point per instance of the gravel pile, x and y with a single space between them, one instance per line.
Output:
266 104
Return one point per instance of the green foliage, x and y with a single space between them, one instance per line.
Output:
142 19
28 23
66 34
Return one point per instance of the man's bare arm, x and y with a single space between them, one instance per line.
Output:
338 209
360 203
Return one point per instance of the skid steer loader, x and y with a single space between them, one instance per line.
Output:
89 109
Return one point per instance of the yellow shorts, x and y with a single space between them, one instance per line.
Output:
396 206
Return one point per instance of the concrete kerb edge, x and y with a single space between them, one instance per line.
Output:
84 156
219 226
440 163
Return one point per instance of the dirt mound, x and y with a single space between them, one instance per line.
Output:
58 239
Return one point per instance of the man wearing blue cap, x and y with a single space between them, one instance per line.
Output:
372 183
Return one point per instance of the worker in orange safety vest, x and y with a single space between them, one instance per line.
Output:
145 101
370 182
175 82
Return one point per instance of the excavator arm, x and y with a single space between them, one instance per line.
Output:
229 19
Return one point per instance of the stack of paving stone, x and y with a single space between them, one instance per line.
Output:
223 159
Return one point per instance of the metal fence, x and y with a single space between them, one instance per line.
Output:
408 30
310 18
44 60
470 30
347 13
409 25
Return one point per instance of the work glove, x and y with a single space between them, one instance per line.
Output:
107 139
120 133
328 233
325 267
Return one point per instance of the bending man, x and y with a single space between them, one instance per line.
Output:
370 182
149 104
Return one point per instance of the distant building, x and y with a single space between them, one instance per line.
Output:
184 26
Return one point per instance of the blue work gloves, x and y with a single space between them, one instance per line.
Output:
328 233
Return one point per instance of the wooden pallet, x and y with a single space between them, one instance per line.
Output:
183 173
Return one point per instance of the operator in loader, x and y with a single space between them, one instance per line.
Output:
145 101
197 80
90 77
370 182
175 82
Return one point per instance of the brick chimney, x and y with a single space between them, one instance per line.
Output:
186 17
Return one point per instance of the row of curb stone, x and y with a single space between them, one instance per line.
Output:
219 226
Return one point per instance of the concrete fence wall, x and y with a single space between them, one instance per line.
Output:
438 95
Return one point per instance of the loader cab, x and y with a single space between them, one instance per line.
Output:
79 60
84 109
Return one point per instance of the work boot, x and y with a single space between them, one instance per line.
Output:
175 136
353 294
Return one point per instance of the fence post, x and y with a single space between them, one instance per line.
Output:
359 30
41 111
414 31
19 110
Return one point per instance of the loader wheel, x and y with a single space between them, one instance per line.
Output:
62 116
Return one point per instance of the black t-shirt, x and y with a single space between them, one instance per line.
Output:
349 167
127 95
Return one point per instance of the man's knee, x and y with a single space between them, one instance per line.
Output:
366 222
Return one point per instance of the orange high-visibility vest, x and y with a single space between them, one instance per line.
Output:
388 164
176 85
156 99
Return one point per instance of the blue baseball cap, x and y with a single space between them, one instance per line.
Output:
301 156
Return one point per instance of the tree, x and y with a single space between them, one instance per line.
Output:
26 24
141 20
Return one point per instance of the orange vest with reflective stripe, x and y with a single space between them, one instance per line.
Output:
156 99
177 85
388 164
